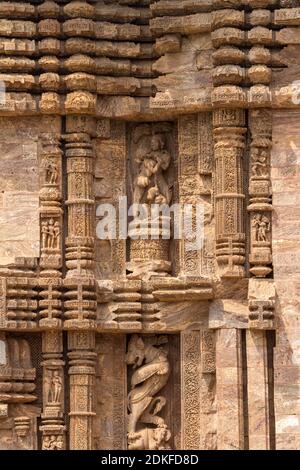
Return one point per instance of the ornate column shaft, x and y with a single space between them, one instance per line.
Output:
229 133
260 208
80 301
50 303
82 355
228 99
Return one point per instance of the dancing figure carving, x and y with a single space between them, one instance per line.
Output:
151 186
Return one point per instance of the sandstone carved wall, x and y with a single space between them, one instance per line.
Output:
128 343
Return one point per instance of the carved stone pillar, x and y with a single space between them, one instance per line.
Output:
229 383
80 303
147 357
260 123
49 47
82 355
80 298
50 303
229 99
51 234
17 392
229 133
198 413
53 392
195 164
260 207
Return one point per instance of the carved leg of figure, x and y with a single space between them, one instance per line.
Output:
137 409
150 414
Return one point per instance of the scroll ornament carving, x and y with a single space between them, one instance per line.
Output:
151 372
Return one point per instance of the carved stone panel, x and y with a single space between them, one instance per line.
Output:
110 421
151 178
198 389
153 392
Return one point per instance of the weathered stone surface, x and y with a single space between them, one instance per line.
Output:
184 340
285 171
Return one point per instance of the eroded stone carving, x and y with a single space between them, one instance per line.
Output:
143 77
151 167
260 207
150 185
151 372
50 234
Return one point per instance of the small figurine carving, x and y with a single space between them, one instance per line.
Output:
261 224
153 370
55 387
260 159
50 234
51 174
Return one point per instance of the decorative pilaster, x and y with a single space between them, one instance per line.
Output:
229 99
82 356
50 303
190 389
229 383
195 163
51 234
229 133
260 207
53 427
80 304
198 413
258 399
260 124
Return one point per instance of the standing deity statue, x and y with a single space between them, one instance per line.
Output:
55 387
150 185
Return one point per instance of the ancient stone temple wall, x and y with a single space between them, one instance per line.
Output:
134 342
285 178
